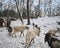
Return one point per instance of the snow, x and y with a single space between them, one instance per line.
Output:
45 23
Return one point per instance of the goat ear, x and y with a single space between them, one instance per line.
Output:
56 36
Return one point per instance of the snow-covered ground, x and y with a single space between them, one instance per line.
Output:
45 24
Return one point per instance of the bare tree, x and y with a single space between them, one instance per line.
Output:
22 7
19 12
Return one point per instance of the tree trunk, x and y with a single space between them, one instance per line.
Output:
49 4
28 13
39 9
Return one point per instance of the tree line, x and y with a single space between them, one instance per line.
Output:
26 9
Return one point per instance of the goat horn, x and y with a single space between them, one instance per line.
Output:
54 35
23 43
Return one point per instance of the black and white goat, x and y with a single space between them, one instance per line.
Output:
52 42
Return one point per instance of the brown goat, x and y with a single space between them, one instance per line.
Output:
52 42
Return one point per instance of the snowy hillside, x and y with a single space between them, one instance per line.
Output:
45 23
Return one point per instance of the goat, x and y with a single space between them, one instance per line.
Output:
31 34
52 42
1 22
7 22
19 29
9 30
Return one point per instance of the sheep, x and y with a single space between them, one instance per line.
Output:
52 42
31 34
19 29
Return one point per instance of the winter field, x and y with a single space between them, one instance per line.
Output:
45 23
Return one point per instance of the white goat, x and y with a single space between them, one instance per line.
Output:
31 34
19 29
